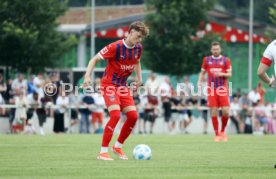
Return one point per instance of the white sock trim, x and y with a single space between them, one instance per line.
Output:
118 145
104 150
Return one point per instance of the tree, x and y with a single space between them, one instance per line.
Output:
170 49
28 37
272 13
241 8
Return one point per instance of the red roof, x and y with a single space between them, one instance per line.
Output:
229 34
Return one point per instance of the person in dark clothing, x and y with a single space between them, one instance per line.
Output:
150 112
191 102
85 114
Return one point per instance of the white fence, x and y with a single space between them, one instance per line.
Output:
196 127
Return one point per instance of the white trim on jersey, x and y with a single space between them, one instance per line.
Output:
127 45
216 57
101 56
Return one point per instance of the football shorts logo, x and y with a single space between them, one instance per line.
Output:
104 50
112 98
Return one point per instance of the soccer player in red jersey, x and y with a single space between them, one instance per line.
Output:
123 57
219 69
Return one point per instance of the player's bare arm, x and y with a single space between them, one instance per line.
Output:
263 75
138 73
200 77
228 74
89 70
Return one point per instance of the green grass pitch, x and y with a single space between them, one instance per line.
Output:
174 156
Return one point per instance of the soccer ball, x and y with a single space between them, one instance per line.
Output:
142 152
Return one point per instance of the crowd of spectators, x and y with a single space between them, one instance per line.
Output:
162 101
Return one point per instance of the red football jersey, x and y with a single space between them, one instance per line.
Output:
213 65
121 62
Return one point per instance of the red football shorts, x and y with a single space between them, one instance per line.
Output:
218 97
117 95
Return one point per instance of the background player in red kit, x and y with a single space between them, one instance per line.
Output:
219 69
123 57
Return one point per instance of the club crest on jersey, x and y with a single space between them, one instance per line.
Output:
210 62
112 98
221 63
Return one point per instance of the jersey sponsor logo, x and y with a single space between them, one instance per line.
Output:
104 50
215 70
127 67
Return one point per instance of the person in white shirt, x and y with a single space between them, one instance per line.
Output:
234 113
254 97
152 84
98 113
165 88
38 80
19 83
165 91
62 103
188 87
269 56
20 113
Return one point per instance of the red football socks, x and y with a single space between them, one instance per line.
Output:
224 120
110 126
128 126
215 124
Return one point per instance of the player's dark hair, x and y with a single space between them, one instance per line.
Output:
140 27
215 43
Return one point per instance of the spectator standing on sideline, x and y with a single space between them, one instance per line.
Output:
62 104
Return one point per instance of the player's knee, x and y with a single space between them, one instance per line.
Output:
115 115
132 116
214 112
225 113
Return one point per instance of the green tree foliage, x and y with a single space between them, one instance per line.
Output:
28 37
241 8
272 13
170 49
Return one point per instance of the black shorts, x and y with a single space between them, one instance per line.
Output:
150 116
190 113
141 115
204 114
167 118
74 114
30 113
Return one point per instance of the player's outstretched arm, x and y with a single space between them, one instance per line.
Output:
263 75
89 70
138 72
